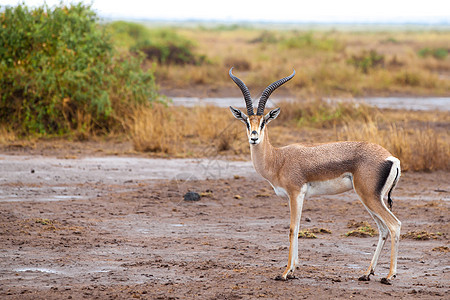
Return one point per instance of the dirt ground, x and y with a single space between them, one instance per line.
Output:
132 237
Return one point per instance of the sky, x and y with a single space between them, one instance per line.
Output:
348 11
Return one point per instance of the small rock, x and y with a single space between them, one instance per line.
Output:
237 197
32 171
191 196
308 219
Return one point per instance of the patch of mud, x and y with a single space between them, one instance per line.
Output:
140 239
45 179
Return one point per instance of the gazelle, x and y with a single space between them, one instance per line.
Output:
297 172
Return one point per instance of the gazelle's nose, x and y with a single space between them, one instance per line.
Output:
254 139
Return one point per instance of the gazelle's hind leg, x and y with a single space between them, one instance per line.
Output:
386 222
384 218
383 234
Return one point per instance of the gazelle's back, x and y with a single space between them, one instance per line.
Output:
326 161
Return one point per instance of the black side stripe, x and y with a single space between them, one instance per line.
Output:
385 170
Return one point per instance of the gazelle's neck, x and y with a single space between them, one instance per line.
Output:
263 156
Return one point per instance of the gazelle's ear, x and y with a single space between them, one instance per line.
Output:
272 115
238 114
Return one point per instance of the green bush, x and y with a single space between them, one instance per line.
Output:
367 60
59 72
438 53
162 45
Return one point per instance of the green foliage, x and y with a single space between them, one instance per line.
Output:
438 53
162 45
367 60
59 72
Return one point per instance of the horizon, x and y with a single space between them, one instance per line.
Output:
346 12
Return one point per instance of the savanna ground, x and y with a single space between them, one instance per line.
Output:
70 233
120 236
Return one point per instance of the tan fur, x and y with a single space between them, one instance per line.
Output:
293 168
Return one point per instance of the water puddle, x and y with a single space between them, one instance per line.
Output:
353 266
65 197
437 103
42 270
409 103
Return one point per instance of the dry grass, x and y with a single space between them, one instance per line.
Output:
323 114
181 131
419 140
156 130
320 58
7 136
363 229
422 235
418 149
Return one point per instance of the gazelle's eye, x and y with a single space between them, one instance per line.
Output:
248 126
262 124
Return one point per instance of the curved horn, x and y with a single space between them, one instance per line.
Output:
268 91
245 92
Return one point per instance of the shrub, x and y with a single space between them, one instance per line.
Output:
59 72
438 53
163 45
367 60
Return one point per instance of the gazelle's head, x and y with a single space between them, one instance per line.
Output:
256 123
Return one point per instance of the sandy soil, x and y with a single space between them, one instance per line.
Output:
105 227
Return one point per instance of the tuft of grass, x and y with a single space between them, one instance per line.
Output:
320 230
306 234
44 221
362 231
443 249
310 233
422 235
6 136
156 129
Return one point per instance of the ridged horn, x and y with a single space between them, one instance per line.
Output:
268 91
245 92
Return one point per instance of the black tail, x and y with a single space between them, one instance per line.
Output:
390 202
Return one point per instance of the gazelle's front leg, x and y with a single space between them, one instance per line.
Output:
296 204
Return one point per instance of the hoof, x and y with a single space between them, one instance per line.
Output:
364 278
385 281
291 276
280 278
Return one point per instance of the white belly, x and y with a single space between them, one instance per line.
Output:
280 192
333 186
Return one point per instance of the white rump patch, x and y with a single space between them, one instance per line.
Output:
392 174
333 186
